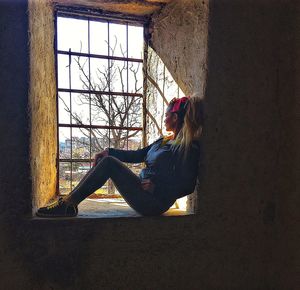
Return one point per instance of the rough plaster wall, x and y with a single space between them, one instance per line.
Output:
289 157
250 132
230 243
141 7
179 37
14 129
251 136
42 101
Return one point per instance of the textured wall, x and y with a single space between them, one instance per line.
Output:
179 37
14 129
140 8
250 138
42 101
246 234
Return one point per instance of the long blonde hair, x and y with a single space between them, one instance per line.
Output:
192 124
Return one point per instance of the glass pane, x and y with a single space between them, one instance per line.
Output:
98 37
64 108
99 74
135 77
100 140
100 112
80 109
72 34
80 73
118 111
118 76
135 140
64 143
126 111
135 42
64 177
80 143
63 71
79 170
119 138
135 111
117 40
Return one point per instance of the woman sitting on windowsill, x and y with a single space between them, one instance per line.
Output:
170 172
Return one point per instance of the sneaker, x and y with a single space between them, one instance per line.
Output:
59 208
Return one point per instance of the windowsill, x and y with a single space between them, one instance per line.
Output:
112 208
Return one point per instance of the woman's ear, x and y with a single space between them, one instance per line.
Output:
175 117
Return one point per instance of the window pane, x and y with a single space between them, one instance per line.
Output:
64 108
135 140
117 40
80 143
135 77
118 76
100 112
126 111
72 34
80 109
98 38
100 140
80 73
118 111
120 138
79 170
135 111
64 143
64 177
135 41
99 74
63 71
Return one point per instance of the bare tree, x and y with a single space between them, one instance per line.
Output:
116 111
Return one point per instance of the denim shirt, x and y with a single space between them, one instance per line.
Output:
172 173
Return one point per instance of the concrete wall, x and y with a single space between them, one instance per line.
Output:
245 235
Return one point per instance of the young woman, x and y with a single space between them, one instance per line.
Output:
170 172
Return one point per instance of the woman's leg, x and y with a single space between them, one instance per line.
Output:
127 183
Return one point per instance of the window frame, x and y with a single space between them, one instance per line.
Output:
97 15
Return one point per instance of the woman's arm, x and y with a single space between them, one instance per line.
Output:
130 156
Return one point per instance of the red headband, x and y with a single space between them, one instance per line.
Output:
179 104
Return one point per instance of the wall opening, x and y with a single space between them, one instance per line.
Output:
79 130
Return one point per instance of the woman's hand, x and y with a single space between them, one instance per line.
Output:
99 156
148 185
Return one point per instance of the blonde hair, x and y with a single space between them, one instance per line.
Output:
192 124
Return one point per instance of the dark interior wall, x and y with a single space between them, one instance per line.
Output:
251 135
246 233
14 128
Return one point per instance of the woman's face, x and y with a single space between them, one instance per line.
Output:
170 121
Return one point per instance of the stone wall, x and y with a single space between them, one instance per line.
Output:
42 102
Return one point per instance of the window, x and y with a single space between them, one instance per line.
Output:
99 92
109 94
